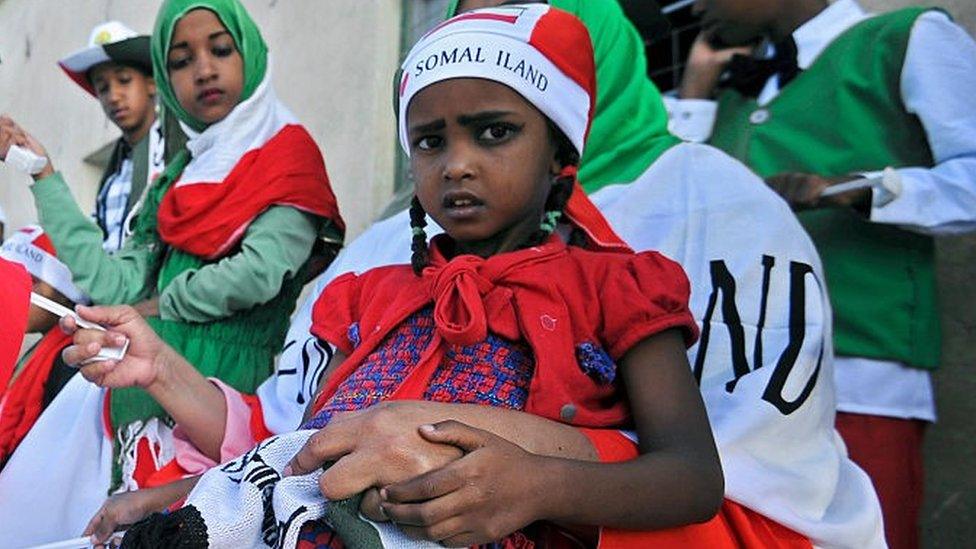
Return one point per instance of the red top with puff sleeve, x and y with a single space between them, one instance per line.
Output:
579 311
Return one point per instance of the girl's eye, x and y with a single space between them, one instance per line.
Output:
497 132
222 51
427 143
177 63
125 79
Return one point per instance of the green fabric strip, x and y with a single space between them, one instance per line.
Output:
630 124
242 29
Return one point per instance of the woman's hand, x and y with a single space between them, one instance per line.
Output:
118 512
705 65
127 508
143 362
803 191
13 134
494 490
372 448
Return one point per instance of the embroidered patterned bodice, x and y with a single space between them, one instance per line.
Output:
494 372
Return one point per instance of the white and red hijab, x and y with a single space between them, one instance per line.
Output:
256 157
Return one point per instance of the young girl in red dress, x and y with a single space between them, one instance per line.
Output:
529 302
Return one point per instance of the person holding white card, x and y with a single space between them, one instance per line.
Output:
41 372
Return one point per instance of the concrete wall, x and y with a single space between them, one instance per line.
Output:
333 64
949 515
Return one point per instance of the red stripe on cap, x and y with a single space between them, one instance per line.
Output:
475 16
44 243
403 83
565 41
80 78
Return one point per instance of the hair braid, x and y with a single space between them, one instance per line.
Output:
418 220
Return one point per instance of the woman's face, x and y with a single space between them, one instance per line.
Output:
205 68
483 162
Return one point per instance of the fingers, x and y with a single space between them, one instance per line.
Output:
68 324
325 445
349 476
434 484
370 506
424 513
88 343
800 190
97 372
101 527
107 316
456 434
440 532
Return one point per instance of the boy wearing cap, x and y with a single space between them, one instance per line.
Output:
41 373
835 94
116 68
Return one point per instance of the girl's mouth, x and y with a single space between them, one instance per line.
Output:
461 204
210 96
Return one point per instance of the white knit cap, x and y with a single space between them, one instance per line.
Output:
33 249
543 53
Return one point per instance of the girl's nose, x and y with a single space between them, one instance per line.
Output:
458 164
204 69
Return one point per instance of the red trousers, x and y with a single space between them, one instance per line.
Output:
890 452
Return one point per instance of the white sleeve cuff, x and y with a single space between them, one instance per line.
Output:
691 119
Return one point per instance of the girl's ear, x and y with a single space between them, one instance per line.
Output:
555 166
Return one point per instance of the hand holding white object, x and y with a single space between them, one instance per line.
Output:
21 151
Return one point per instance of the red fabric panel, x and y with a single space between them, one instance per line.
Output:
15 288
259 431
890 452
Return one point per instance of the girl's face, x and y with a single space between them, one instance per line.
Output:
205 68
483 162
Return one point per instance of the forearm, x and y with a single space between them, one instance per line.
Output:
654 491
533 433
274 249
162 497
195 403
121 278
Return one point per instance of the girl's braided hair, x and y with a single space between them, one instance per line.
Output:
562 189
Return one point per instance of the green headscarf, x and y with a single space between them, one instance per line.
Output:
630 125
242 29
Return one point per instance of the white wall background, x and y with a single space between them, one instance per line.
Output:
333 66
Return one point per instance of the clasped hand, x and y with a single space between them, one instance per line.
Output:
446 482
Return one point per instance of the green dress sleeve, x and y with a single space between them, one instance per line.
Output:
275 247
123 277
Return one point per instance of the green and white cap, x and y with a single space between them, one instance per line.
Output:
111 41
